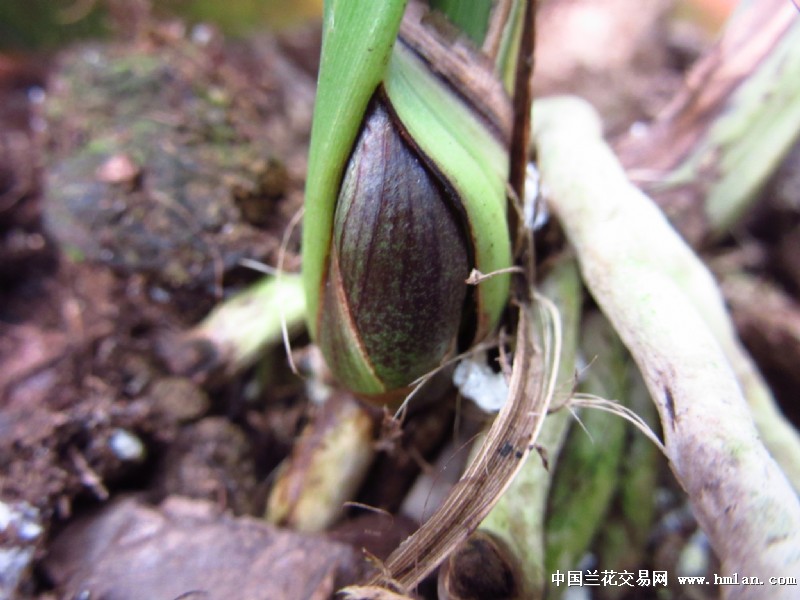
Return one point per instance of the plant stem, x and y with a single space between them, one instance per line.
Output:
236 333
588 470
624 534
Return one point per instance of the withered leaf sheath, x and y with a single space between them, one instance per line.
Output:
395 287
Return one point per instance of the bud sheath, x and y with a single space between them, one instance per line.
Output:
404 202
395 289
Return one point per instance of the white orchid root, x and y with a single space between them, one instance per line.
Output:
664 305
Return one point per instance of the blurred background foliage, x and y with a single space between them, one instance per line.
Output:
44 24
34 24
239 17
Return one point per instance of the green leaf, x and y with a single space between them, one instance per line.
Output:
470 16
356 45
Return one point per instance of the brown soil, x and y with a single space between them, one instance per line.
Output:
134 177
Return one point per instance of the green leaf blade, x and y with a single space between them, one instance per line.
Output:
357 42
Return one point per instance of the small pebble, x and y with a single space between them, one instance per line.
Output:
126 446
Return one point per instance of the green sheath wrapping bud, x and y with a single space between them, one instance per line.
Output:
404 200
395 289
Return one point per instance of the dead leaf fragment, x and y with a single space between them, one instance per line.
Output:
131 551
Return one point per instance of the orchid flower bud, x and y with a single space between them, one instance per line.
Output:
395 286
400 211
